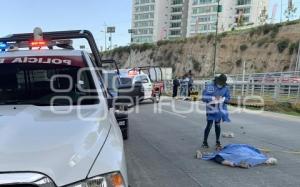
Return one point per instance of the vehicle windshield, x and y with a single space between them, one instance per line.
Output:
45 85
126 80
111 80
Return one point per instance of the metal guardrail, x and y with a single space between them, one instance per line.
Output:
275 86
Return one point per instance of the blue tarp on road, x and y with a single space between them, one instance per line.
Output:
240 153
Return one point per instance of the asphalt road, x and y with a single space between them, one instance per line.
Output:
162 144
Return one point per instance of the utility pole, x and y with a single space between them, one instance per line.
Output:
297 68
110 39
131 32
216 39
111 30
244 74
105 30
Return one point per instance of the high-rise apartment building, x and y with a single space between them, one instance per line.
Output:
143 21
154 20
203 15
178 18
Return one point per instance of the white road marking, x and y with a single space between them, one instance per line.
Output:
174 113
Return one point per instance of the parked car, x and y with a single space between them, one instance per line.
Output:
57 128
152 87
125 91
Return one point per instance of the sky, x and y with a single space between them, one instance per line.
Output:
19 16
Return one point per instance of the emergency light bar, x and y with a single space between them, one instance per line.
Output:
3 46
38 44
55 36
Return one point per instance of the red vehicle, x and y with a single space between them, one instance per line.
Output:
290 79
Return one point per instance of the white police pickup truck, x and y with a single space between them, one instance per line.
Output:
56 126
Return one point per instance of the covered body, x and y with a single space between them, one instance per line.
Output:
239 154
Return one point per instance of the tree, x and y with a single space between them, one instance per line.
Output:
241 20
263 17
290 12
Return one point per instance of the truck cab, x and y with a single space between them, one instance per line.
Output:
57 128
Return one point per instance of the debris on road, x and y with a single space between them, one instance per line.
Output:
228 135
199 154
272 161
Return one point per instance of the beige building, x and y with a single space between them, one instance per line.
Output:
154 20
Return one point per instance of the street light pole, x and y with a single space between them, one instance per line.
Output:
131 40
216 40
105 38
131 32
297 68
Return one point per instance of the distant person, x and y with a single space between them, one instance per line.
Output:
190 84
176 84
184 86
216 96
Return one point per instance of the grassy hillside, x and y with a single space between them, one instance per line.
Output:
265 48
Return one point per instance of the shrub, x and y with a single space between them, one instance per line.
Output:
146 46
196 65
282 45
223 46
292 22
267 45
162 42
267 28
293 48
243 47
262 41
210 37
275 31
180 50
119 50
238 62
252 32
223 34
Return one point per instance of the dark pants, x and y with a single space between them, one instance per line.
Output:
175 90
219 159
190 90
217 130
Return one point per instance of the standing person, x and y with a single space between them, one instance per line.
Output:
185 85
216 96
176 84
190 84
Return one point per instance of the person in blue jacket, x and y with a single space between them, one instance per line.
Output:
216 96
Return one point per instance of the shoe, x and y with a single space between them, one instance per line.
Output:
218 146
205 145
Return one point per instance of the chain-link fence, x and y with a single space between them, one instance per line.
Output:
276 86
